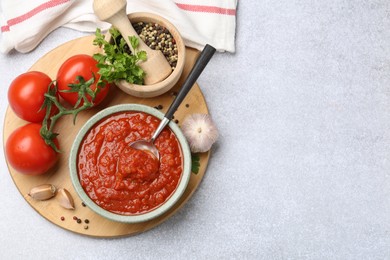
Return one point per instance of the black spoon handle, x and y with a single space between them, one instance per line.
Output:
204 58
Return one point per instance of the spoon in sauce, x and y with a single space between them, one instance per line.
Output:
204 57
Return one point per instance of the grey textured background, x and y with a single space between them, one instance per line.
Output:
301 170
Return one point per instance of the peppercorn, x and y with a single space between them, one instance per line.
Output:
86 221
78 220
158 38
62 218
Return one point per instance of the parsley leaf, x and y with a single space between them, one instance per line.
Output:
116 63
195 158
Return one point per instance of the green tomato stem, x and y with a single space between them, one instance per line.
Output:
83 89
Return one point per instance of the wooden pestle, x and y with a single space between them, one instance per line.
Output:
156 66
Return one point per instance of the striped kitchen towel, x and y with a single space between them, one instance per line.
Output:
24 24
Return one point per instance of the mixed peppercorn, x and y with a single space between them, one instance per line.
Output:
78 220
156 37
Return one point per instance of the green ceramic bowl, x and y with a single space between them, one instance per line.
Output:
171 201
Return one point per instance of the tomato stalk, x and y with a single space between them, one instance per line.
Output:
83 89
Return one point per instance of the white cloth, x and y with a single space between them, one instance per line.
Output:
24 24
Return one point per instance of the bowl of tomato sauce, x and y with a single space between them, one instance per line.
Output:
119 182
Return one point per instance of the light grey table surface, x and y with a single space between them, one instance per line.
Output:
302 166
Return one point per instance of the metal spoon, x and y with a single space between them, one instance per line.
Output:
200 64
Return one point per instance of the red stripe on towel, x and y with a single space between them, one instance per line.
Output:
207 9
5 28
35 11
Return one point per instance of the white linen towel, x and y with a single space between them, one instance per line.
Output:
24 24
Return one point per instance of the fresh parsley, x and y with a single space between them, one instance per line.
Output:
195 158
116 63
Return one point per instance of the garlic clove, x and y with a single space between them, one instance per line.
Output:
43 192
200 131
65 199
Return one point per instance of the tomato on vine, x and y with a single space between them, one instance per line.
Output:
28 153
78 76
26 95
33 149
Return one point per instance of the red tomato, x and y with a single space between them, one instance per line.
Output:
79 65
27 152
26 95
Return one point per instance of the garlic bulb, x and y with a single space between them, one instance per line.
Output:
200 131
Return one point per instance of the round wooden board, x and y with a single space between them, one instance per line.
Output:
50 209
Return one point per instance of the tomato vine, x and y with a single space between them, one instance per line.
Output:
83 89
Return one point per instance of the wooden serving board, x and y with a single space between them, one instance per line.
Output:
59 176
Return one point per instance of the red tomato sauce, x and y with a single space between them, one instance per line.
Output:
121 179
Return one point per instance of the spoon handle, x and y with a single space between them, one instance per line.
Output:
204 58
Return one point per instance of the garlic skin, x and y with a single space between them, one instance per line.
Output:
200 131
65 199
43 192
